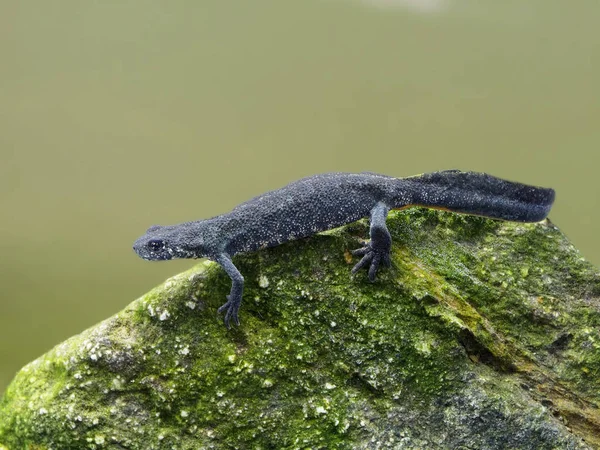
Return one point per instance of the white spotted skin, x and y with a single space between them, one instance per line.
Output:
326 201
323 202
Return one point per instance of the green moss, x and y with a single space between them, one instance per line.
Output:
483 330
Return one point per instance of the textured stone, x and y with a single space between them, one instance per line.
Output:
483 334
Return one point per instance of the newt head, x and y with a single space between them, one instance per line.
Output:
162 243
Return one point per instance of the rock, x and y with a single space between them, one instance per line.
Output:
483 335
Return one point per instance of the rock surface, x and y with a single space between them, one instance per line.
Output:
483 335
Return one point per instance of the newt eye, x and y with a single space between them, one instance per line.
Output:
156 245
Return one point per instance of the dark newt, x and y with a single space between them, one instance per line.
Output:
323 202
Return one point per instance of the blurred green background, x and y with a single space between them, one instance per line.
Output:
117 115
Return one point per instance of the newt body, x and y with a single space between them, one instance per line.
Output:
326 201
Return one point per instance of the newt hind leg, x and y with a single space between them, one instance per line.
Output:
377 251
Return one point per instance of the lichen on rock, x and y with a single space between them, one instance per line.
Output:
483 334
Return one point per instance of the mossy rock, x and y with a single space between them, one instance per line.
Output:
483 334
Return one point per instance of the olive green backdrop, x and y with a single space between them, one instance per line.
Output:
117 115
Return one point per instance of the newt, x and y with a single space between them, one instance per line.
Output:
322 202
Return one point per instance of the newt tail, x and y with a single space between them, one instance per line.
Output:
482 195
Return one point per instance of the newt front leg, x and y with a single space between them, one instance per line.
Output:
234 299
